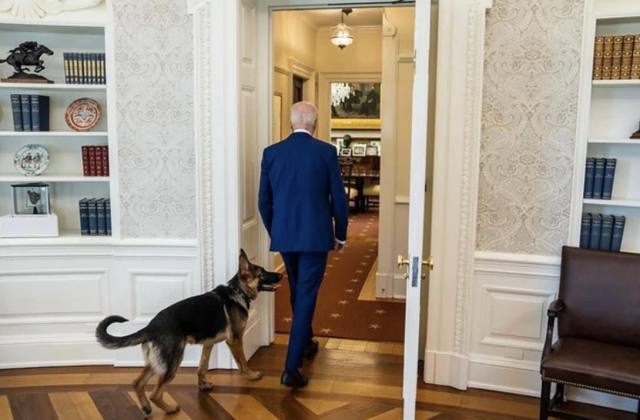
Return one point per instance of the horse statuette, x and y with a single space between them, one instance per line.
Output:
25 55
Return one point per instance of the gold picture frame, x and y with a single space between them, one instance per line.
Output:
356 124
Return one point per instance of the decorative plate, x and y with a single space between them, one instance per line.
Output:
31 160
83 114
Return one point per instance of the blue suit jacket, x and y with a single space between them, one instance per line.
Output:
302 200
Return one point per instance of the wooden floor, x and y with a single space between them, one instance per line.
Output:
345 384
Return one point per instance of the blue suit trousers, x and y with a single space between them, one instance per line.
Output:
305 271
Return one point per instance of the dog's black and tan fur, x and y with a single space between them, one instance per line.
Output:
207 319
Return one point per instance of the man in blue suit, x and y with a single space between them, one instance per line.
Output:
304 208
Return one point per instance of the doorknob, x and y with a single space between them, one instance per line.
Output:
429 263
403 262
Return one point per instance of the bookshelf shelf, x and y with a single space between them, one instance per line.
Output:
616 83
614 203
53 134
600 140
53 178
52 87
66 238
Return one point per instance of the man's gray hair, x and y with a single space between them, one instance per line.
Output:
303 113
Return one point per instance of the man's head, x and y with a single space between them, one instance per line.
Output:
304 115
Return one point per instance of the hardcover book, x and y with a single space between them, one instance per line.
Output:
618 232
92 161
67 69
588 178
607 61
598 178
99 161
86 168
16 109
26 112
585 230
596 231
40 113
102 215
93 217
84 216
81 69
75 69
627 55
609 175
607 231
616 63
105 160
635 60
107 206
598 56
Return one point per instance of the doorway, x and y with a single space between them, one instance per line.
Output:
350 96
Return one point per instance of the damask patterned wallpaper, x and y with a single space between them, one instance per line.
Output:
532 62
154 65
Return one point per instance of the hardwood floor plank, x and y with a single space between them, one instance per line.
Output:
285 407
243 407
32 406
116 405
491 405
74 406
158 414
319 407
199 406
332 344
5 408
396 414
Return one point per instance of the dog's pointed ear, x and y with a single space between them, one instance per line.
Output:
244 261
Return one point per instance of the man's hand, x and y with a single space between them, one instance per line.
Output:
338 246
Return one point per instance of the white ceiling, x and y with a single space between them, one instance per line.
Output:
331 17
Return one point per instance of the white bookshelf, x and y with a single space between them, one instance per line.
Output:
65 172
607 116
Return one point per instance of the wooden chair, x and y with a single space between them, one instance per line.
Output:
598 315
350 187
371 191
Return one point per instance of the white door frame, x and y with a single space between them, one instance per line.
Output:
459 100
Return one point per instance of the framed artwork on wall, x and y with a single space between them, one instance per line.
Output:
277 117
355 106
372 151
345 151
359 150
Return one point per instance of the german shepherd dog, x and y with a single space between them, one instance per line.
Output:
207 319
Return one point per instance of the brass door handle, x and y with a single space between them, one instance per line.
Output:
403 262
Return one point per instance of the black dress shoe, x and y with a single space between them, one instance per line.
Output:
311 350
293 379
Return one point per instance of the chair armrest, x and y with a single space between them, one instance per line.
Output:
554 310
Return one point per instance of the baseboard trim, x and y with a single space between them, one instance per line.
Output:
450 369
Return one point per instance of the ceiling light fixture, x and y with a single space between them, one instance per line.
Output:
341 37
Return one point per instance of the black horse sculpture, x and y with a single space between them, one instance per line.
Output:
27 54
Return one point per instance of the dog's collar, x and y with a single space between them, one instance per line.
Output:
239 291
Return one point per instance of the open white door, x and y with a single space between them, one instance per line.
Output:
415 264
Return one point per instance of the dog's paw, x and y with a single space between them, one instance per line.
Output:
172 409
254 376
205 386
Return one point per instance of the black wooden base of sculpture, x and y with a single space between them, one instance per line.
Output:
26 78
636 135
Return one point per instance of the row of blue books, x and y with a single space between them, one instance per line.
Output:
598 179
603 232
84 68
30 112
95 216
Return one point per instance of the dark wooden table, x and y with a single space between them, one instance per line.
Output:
360 177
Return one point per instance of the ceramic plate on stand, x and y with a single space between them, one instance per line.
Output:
31 160
83 114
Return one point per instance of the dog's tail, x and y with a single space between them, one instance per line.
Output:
111 342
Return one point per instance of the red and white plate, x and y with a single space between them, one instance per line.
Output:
83 114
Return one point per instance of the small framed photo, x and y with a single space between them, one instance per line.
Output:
345 151
359 150
372 151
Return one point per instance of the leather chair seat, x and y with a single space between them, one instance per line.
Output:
595 365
